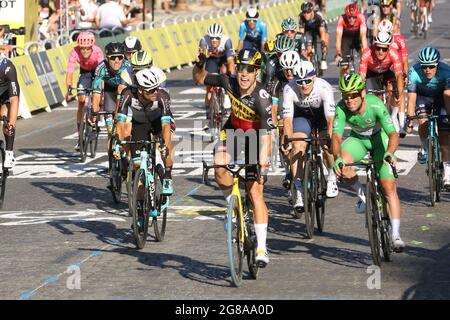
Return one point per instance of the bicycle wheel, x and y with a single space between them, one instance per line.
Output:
93 143
310 203
129 185
321 195
371 219
140 209
431 170
161 203
115 172
235 247
250 244
83 135
4 174
385 228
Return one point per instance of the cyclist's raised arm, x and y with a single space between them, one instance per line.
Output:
199 72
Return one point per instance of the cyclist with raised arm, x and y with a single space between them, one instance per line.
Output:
252 32
308 102
88 56
9 107
149 106
251 113
314 28
372 131
351 34
428 89
382 69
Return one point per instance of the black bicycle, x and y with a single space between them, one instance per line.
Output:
4 172
314 183
377 218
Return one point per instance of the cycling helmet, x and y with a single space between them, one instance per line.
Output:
352 10
385 26
307 7
429 55
304 69
85 39
288 24
113 48
141 60
284 43
250 57
215 30
289 59
269 46
132 44
147 79
252 13
386 2
351 82
383 38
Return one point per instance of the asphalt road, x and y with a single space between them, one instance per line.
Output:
59 222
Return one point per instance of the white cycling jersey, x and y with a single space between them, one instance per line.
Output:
296 105
225 47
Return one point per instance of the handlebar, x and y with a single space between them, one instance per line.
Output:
309 140
371 162
233 168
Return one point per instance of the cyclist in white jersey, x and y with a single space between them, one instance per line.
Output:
308 102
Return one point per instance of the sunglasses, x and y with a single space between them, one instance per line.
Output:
120 57
428 66
351 17
302 82
150 91
385 6
377 48
252 20
86 48
308 11
351 96
290 31
215 38
242 67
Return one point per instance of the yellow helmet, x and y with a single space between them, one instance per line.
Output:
141 60
270 45
249 57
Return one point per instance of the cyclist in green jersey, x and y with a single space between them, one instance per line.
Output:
372 130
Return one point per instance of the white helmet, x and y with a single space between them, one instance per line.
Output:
147 79
304 69
252 13
383 38
289 59
385 26
215 30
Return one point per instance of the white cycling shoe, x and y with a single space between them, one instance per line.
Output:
10 161
360 206
262 258
398 245
323 65
332 189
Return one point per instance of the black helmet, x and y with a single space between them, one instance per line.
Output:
132 44
113 48
250 57
307 7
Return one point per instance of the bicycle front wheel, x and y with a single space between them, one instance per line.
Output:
115 172
234 244
310 201
321 196
83 135
372 226
431 170
140 209
385 229
161 203
4 175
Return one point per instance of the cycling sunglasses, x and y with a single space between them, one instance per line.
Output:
377 48
351 95
214 38
301 82
114 57
428 66
351 17
150 91
249 68
252 20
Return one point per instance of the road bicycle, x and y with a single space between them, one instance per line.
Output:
218 113
4 172
241 238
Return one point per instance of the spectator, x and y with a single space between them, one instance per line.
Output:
111 15
88 12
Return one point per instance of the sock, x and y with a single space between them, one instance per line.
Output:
394 118
298 184
331 175
401 120
261 235
227 193
395 228
359 190
168 173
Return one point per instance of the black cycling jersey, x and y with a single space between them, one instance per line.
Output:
247 112
312 25
9 86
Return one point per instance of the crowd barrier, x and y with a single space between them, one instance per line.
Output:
42 75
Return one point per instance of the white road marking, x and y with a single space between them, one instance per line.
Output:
194 91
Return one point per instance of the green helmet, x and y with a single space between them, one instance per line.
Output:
141 60
351 82
288 24
284 43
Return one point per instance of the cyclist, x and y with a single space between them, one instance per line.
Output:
388 10
150 108
220 56
308 102
429 88
428 5
143 60
319 6
289 29
381 67
9 102
250 112
253 32
372 131
350 33
112 75
88 56
132 45
314 27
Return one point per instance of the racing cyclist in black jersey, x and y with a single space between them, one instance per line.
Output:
289 29
250 112
9 101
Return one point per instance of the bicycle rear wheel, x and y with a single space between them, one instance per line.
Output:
310 205
235 247
321 196
4 174
115 172
161 203
372 227
431 170
140 209
83 135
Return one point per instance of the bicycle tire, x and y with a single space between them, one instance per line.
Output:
129 185
140 210
159 223
431 170
115 173
235 249
438 175
4 174
371 214
250 243
83 136
385 225
94 141
310 205
321 196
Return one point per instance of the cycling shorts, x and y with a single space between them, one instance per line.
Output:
213 64
84 82
305 125
424 105
350 42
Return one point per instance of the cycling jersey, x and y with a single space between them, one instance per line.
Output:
312 25
399 43
252 111
225 47
86 65
110 80
356 28
434 87
253 38
9 86
369 62
270 69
